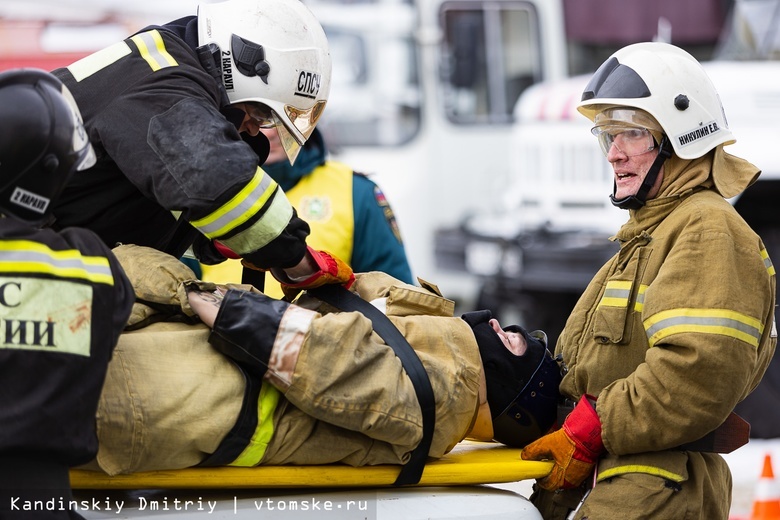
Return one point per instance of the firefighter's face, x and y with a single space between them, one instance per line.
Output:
276 153
631 170
513 341
257 117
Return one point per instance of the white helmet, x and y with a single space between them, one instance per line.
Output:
670 85
273 53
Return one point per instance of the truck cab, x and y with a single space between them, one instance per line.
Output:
423 99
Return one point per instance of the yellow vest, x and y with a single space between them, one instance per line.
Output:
324 200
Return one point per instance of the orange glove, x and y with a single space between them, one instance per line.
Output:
329 269
575 448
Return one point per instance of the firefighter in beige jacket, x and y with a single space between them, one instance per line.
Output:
287 384
678 327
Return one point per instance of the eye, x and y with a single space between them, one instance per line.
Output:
634 134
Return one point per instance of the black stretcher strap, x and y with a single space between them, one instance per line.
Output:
341 298
240 435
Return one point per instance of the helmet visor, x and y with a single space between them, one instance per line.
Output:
87 158
303 121
82 148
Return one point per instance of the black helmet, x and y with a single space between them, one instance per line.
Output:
522 391
42 142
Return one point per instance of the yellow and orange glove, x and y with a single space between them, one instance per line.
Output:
329 269
575 448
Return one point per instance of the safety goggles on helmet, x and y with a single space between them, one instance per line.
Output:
260 114
303 120
632 131
628 141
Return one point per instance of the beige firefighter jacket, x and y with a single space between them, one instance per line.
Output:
679 325
339 393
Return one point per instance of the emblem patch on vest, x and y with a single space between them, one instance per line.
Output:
315 209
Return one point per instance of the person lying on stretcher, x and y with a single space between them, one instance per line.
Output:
224 375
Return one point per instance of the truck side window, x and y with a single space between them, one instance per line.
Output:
490 54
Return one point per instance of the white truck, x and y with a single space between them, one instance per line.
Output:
536 249
422 100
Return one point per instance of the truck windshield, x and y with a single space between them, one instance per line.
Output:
490 54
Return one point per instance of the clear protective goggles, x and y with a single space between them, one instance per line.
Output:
632 131
303 121
629 141
260 114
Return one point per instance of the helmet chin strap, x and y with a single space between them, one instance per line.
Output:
638 200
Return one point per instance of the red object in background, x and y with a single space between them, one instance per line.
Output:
620 22
40 61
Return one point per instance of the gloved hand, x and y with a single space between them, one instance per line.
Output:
327 269
575 448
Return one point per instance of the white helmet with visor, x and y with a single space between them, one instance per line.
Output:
664 82
275 62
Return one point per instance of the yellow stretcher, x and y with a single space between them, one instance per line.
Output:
470 463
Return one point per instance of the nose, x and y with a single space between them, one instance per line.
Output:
615 154
250 126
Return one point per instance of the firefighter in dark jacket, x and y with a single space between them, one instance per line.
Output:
165 110
64 299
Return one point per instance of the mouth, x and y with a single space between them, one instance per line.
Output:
624 175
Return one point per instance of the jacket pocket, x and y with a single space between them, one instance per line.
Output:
615 315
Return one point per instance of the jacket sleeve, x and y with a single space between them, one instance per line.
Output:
329 367
377 244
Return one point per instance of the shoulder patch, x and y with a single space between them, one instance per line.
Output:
381 200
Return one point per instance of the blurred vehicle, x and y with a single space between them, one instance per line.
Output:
424 95
422 100
537 248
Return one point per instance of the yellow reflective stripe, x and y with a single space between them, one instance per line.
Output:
707 321
767 262
266 405
262 232
152 48
99 60
616 294
240 208
24 256
636 468
639 306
